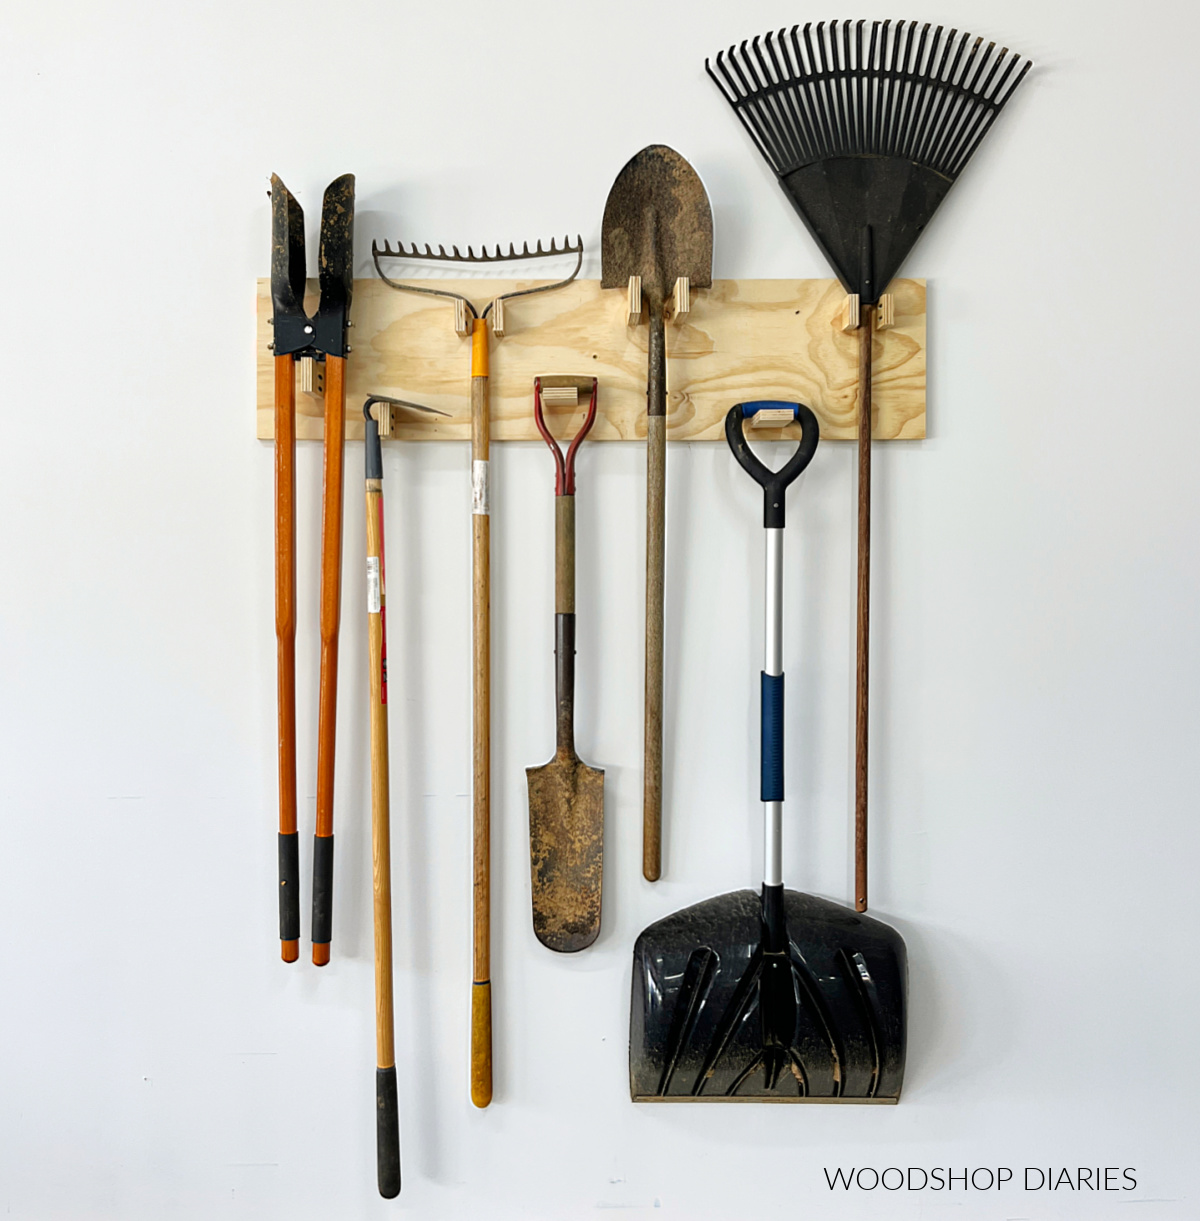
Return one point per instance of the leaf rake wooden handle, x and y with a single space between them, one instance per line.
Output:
862 676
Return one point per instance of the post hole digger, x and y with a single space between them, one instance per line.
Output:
386 1107
780 996
657 227
566 797
481 995
867 129
309 340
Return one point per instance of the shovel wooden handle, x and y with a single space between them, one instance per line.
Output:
481 991
656 512
865 333
387 1111
285 648
331 612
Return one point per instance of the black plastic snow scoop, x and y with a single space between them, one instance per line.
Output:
777 997
866 129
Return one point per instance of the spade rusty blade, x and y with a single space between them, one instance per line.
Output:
566 850
657 225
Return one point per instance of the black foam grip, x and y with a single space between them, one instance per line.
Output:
289 887
322 909
387 1132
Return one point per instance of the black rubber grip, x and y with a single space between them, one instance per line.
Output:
322 909
289 887
372 449
387 1133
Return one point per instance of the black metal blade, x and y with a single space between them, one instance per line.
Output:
336 268
287 250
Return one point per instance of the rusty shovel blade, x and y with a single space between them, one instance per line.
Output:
657 225
566 851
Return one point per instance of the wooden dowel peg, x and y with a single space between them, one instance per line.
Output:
462 318
681 301
851 312
771 417
635 301
383 417
560 396
498 317
885 313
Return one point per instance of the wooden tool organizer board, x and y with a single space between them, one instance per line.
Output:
742 340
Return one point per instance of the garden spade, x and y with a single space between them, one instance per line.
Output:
658 226
566 797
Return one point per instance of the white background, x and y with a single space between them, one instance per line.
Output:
1035 696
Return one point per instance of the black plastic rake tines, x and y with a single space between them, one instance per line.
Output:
902 89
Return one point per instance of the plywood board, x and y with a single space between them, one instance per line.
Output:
744 339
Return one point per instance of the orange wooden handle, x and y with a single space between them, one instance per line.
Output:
285 639
331 603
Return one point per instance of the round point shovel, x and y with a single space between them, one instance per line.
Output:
657 225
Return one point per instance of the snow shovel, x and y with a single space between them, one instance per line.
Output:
867 130
566 797
657 225
778 996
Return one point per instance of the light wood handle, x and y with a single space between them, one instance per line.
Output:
481 1043
564 555
656 460
862 674
381 857
285 651
481 1003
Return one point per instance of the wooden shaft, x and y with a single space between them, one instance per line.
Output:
656 460
285 606
564 555
481 1005
865 333
381 858
331 597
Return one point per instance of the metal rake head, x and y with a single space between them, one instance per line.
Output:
415 254
483 256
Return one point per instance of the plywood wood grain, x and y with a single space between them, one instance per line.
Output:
744 339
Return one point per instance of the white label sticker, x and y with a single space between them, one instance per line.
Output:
373 590
480 502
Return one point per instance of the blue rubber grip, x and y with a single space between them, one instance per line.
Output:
772 737
749 409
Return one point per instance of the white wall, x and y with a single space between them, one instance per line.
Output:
1035 656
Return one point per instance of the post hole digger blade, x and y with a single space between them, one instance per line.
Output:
779 997
866 130
566 797
308 340
481 991
387 1114
657 225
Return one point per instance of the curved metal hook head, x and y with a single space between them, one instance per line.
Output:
383 398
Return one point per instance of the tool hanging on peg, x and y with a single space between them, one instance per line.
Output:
656 242
566 797
387 1114
481 994
312 341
